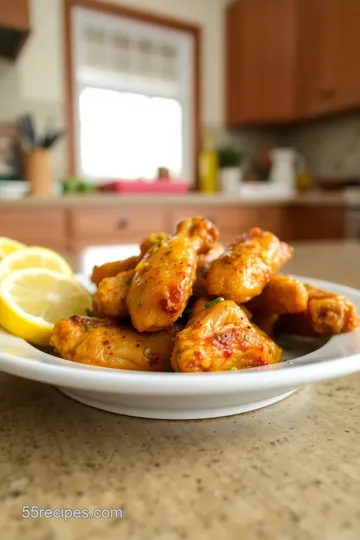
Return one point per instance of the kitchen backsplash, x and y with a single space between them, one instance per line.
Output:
331 147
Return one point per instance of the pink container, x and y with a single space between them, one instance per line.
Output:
141 186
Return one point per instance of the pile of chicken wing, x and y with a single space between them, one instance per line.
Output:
188 304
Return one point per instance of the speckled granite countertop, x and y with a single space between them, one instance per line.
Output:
287 472
313 197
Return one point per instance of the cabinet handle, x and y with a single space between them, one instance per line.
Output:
122 223
326 94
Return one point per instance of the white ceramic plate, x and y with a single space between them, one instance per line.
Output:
195 395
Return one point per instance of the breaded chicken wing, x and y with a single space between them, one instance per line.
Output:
100 342
163 280
219 337
246 267
113 268
326 314
283 294
110 297
152 240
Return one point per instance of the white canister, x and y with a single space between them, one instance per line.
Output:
230 180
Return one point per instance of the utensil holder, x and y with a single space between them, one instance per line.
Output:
38 172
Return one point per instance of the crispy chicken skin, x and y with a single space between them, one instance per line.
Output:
326 314
246 267
283 294
110 298
113 268
219 337
100 342
163 280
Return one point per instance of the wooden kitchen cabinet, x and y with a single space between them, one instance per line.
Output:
106 225
42 226
329 80
261 49
317 222
290 60
14 26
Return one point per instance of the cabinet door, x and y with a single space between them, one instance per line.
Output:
329 78
41 226
347 88
261 61
316 56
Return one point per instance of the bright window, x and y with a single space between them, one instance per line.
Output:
133 98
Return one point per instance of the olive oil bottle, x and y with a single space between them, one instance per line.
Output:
208 167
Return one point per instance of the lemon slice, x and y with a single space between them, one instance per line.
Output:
7 246
34 257
33 300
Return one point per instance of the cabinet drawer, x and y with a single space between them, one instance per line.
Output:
36 225
114 225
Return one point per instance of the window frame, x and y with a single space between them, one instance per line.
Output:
137 15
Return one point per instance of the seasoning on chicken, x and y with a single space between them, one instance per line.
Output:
163 280
246 267
110 298
326 314
219 337
100 342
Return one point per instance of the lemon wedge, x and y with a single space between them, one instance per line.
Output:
34 257
8 245
33 300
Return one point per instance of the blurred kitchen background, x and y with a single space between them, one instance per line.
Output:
120 117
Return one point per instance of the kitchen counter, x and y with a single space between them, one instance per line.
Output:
314 197
289 471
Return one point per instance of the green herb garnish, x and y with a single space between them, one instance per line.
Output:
215 301
88 312
94 267
87 327
127 281
233 369
147 352
218 337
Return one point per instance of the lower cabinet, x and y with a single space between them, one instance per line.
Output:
71 229
41 225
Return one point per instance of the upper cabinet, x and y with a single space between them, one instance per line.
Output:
14 26
260 60
290 60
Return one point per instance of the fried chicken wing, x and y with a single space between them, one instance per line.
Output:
163 280
100 342
283 294
246 267
220 337
110 297
326 314
113 268
152 240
